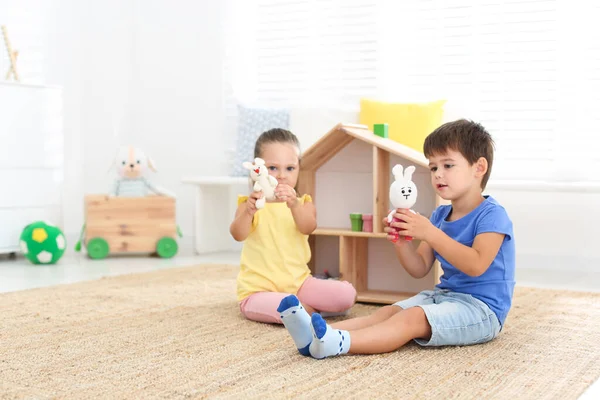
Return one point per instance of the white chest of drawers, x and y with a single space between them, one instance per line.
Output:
31 158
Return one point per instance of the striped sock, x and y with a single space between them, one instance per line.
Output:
327 341
297 321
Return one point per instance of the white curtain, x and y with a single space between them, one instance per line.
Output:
312 51
528 70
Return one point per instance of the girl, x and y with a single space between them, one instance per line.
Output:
275 254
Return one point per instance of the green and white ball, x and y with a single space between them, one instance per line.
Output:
42 243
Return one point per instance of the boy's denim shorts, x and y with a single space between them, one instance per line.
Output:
456 318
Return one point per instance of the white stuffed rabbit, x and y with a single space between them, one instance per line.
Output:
403 192
262 181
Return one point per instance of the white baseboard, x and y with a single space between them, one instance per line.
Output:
542 186
569 263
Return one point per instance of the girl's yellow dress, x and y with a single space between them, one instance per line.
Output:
275 254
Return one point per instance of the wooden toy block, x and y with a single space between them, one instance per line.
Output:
356 222
381 130
130 224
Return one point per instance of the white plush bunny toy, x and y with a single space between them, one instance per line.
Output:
132 164
403 192
262 180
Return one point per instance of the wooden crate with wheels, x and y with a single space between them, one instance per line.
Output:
117 225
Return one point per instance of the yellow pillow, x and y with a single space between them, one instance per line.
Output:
408 123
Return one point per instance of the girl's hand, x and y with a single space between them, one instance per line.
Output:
286 193
251 203
415 225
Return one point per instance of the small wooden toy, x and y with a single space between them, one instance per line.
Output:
381 130
367 225
356 222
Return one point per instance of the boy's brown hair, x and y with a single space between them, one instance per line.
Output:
468 138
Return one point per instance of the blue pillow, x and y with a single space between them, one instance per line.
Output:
251 123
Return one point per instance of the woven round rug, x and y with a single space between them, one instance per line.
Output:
178 333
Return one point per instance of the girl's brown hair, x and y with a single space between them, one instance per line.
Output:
278 135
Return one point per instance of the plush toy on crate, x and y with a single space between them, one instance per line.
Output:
136 217
262 181
403 193
42 243
132 165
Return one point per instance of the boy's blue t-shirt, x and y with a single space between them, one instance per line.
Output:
495 287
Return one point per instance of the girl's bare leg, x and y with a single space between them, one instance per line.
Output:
309 309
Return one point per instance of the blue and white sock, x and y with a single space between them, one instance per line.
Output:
297 321
327 341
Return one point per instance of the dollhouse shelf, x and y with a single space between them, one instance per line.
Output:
349 171
347 232
381 296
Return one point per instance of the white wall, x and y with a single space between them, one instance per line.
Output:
50 39
556 227
177 103
146 73
152 69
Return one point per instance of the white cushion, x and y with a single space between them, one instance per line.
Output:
251 123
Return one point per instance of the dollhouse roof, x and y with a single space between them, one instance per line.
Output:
342 134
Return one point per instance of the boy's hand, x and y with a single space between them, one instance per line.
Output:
415 225
251 203
286 193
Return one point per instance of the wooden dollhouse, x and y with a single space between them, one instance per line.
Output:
349 171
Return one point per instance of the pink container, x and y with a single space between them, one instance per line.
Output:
367 223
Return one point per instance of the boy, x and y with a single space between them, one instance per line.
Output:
473 240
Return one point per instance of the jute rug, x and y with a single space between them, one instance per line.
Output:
178 334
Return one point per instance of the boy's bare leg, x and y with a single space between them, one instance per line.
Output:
391 333
385 336
378 316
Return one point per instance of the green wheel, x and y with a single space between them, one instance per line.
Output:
166 247
97 248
